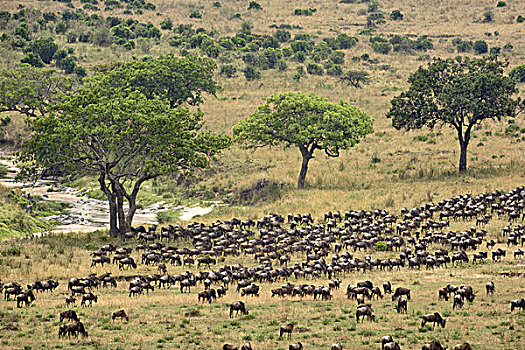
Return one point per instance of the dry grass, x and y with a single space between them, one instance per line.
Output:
162 318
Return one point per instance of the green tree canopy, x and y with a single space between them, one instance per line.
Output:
458 93
124 137
308 122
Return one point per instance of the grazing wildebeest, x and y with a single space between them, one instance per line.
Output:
26 297
386 339
250 290
490 287
120 314
377 292
238 306
229 347
129 262
70 300
286 329
387 287
295 346
433 345
88 297
434 318
99 260
402 304
135 291
367 284
392 346
364 311
458 302
246 346
498 253
336 346
517 304
464 346
443 294
69 315
162 268
71 329
401 291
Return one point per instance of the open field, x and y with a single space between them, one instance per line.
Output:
165 318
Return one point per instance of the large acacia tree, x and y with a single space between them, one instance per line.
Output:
307 122
126 133
460 93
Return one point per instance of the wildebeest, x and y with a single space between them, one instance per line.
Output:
402 304
88 297
336 346
135 291
458 302
238 306
120 314
250 290
433 345
127 262
295 346
401 291
71 329
286 329
100 260
387 287
68 315
26 297
386 339
229 347
70 300
377 292
464 346
517 304
490 287
498 253
246 346
392 346
434 318
363 311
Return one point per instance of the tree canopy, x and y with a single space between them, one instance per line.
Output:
125 133
459 93
308 122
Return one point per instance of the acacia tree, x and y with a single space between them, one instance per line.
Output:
459 93
307 122
127 126
125 138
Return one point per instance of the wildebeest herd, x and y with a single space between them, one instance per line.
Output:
326 249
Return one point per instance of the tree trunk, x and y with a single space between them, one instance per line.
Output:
304 168
113 228
120 208
463 157
131 211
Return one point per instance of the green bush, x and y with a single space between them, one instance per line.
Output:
251 73
381 47
520 19
254 6
195 14
282 35
488 16
43 47
334 70
518 73
396 15
380 246
501 4
228 71
481 47
167 24
314 69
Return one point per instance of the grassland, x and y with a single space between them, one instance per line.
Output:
168 319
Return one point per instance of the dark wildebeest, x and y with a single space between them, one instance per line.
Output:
71 329
246 346
386 339
458 302
434 318
364 311
88 297
392 346
336 346
68 315
498 253
517 304
238 306
377 292
387 287
70 300
26 297
401 291
433 345
286 329
402 304
295 346
464 346
490 288
120 314
229 347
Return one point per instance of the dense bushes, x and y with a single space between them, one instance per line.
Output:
518 73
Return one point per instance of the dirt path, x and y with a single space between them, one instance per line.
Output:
88 214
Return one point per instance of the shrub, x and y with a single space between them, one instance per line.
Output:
282 35
464 46
304 12
43 47
481 47
520 19
495 50
254 6
195 14
501 4
251 73
334 70
518 73
217 4
338 57
167 24
282 66
488 16
380 246
33 59
381 47
396 15
228 71
314 69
